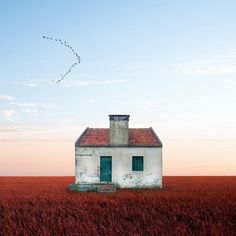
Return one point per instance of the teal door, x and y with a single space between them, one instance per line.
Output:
105 169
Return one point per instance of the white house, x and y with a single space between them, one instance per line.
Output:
119 155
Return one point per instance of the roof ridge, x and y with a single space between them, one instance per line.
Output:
129 128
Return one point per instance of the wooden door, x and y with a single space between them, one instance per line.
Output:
105 169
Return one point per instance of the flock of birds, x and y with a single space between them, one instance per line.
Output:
74 52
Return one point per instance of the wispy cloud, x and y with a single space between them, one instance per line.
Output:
29 108
36 80
9 113
165 102
32 104
211 67
6 129
91 100
231 82
30 111
81 83
6 97
62 130
207 68
32 84
24 104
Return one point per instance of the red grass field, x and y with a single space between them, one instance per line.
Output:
185 206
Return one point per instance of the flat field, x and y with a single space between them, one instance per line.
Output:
185 206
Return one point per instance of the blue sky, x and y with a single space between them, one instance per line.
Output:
169 64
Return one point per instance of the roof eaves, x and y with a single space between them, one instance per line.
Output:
116 146
77 142
93 145
159 141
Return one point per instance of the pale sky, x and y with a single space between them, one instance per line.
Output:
170 64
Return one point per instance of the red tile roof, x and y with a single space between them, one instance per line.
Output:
137 137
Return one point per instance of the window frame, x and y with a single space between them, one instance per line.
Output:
133 165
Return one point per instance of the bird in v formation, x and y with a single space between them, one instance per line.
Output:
74 52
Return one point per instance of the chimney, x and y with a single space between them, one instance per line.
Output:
119 130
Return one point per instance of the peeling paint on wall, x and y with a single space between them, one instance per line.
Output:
136 178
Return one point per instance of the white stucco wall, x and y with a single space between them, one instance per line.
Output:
87 165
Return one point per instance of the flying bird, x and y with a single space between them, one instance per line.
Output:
73 65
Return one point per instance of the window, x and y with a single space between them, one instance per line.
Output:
137 163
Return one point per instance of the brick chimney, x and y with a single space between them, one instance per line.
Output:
119 130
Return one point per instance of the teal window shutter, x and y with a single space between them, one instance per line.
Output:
137 163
